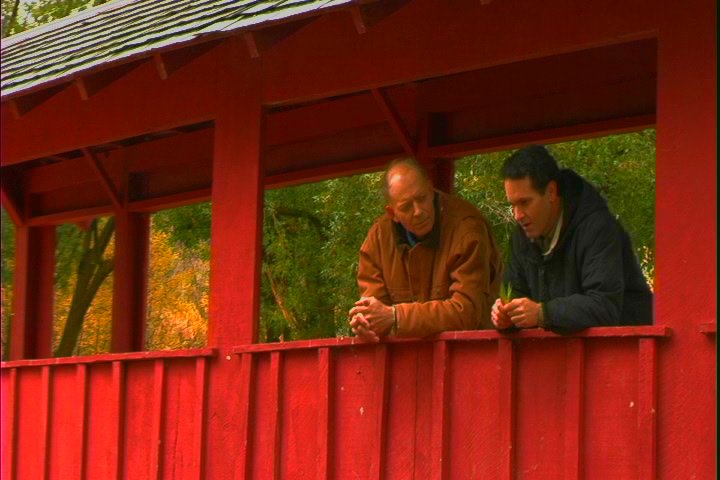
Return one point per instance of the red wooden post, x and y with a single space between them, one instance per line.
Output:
440 411
574 403
236 236
33 299
132 237
686 247
506 400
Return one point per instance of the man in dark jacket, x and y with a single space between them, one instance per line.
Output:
572 263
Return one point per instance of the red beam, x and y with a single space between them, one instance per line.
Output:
104 178
325 172
71 216
13 209
115 456
81 422
395 121
170 62
113 357
46 418
276 420
10 430
170 201
91 83
551 135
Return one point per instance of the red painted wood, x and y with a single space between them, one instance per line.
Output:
397 123
647 408
46 419
275 431
687 92
132 239
158 414
33 295
463 336
549 135
380 400
236 225
81 421
506 399
242 470
574 408
10 423
709 328
199 419
326 386
14 210
104 178
117 424
440 409
113 357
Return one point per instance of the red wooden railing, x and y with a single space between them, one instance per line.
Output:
471 404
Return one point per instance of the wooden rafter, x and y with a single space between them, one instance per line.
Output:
170 62
260 41
20 106
365 14
90 84
104 178
395 121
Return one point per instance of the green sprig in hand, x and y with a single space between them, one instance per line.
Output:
506 292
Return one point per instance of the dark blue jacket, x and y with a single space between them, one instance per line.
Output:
592 277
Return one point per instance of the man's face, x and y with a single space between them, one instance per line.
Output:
535 212
411 201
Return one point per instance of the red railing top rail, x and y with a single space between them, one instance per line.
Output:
112 357
460 336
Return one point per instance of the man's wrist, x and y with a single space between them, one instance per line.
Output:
541 316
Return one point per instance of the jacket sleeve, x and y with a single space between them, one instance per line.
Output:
600 268
474 270
515 273
370 276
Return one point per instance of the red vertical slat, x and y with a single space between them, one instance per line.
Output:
9 465
242 470
506 417
118 399
276 418
46 418
157 422
81 380
647 412
199 425
377 465
325 423
574 400
439 410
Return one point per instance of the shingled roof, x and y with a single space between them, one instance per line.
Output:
126 29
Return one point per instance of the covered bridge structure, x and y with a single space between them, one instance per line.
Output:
138 106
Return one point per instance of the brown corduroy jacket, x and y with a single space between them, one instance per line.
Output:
448 281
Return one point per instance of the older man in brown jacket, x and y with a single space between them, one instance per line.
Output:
430 264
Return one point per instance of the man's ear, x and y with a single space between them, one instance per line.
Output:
390 211
552 190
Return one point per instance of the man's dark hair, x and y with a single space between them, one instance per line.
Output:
533 161
409 162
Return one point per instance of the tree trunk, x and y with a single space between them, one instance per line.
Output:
92 271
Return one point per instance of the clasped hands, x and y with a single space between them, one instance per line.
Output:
519 312
370 319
